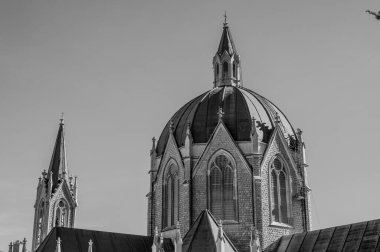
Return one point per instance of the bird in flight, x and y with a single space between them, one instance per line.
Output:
377 15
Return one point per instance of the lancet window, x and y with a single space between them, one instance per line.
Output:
61 214
222 189
280 199
234 70
170 197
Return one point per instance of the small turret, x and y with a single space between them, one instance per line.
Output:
226 62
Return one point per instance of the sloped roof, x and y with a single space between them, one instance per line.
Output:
58 159
362 236
226 43
203 234
76 240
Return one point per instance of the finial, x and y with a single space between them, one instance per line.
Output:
220 113
90 245
62 118
277 118
58 248
299 132
225 19
161 238
171 126
220 231
253 127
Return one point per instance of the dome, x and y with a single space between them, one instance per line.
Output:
239 106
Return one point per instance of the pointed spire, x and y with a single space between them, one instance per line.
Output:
254 137
253 127
58 164
24 245
226 62
226 42
75 192
153 144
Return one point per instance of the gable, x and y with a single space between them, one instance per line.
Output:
220 140
171 155
63 191
203 235
278 146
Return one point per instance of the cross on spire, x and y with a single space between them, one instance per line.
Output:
62 118
225 19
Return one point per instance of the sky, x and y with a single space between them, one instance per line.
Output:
119 69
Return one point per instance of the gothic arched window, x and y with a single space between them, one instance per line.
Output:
234 70
222 189
170 199
279 180
61 214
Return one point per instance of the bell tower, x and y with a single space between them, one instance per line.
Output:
226 62
56 199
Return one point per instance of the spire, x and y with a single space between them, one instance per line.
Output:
226 43
227 69
58 165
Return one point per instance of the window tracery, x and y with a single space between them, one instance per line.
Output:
222 190
61 214
280 199
170 199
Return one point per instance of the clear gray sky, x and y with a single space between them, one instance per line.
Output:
119 69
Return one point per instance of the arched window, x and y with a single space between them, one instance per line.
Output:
170 199
61 214
216 70
234 70
225 68
279 181
222 189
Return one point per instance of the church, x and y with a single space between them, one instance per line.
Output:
228 173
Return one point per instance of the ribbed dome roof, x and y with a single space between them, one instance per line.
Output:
239 106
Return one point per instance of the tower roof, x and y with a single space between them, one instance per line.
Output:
58 166
226 42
